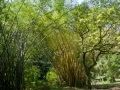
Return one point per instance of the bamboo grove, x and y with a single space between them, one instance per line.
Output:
72 37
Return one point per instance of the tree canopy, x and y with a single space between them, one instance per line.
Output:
36 35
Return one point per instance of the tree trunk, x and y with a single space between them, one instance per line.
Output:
88 79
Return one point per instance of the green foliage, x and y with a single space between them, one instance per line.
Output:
113 65
83 33
52 77
108 66
31 75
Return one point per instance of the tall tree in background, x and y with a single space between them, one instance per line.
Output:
96 27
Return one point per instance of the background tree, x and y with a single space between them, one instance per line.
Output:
94 28
109 63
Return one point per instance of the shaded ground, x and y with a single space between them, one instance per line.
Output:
110 86
115 88
95 88
100 86
107 88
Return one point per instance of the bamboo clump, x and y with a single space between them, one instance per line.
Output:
67 64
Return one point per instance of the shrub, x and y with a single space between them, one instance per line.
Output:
52 77
31 75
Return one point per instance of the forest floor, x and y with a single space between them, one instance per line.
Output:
95 87
104 87
98 86
108 86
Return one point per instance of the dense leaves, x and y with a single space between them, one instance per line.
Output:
36 35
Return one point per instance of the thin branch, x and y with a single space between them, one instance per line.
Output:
44 38
94 61
16 15
50 24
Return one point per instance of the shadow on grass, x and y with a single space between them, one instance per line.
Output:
106 86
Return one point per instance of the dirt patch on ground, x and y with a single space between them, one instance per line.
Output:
106 88
115 88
